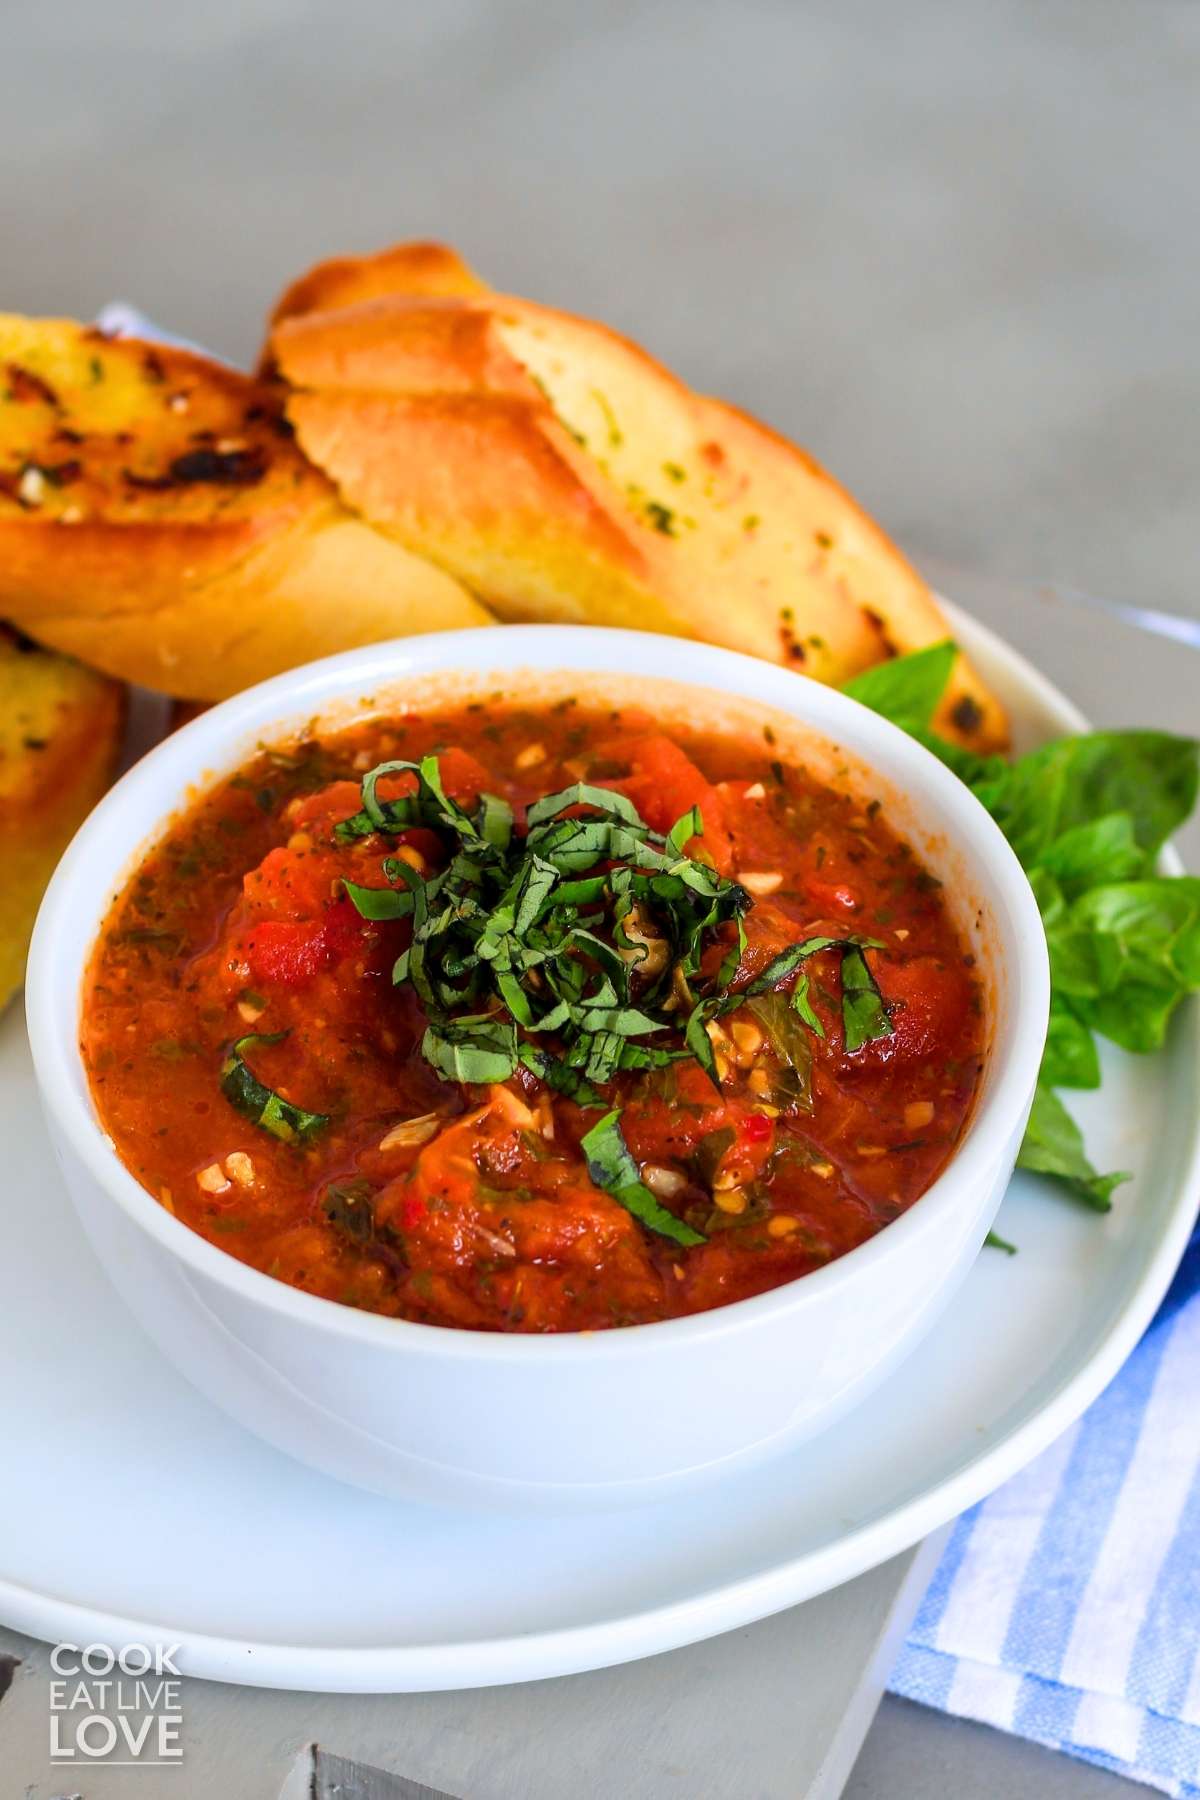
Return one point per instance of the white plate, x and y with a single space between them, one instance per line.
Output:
131 1509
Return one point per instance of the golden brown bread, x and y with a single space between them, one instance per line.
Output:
429 269
60 732
558 471
158 521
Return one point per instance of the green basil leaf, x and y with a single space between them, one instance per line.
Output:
350 1208
602 800
1070 1058
698 1042
242 1088
907 689
611 1166
1150 776
378 903
495 821
383 818
685 828
471 1049
802 1004
783 965
790 1039
1102 850
560 1076
1125 954
1053 1145
865 1018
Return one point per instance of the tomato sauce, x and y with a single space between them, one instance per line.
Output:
263 1057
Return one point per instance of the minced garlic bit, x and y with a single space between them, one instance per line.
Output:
31 488
213 1180
251 1009
406 854
782 1225
748 1039
823 1169
299 840
918 1114
498 1245
730 1200
530 756
761 881
240 1168
410 1133
665 1183
755 792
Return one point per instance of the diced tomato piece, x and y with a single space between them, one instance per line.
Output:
930 1003
463 777
291 952
663 782
340 800
288 884
283 952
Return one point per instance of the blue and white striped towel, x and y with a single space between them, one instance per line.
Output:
1066 1607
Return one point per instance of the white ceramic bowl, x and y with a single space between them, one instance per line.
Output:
475 1417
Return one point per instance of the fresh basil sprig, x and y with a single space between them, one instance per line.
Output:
1087 816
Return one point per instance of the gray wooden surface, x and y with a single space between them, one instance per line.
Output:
951 247
778 1709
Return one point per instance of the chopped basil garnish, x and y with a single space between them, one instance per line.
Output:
379 903
791 1040
611 1166
865 1018
349 1206
243 1089
520 938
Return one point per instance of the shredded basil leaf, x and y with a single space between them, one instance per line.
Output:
865 1017
611 1166
378 903
242 1088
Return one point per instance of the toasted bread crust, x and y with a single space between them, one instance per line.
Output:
158 520
421 268
560 472
60 732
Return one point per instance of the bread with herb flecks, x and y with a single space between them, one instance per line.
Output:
158 520
555 468
60 733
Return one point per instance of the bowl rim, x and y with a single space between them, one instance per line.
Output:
200 752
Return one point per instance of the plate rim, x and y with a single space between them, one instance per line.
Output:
718 1607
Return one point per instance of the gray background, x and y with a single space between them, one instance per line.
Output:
951 248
